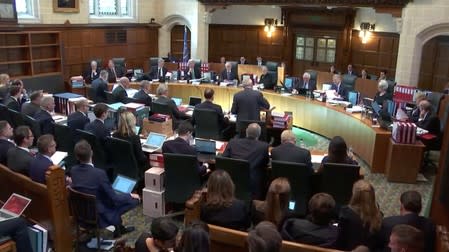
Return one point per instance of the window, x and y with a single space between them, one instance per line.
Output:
26 10
320 49
111 8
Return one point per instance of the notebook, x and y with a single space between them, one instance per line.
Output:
154 141
123 184
178 101
193 101
14 207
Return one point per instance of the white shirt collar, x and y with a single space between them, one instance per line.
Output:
23 148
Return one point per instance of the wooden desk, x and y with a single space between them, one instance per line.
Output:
403 161
367 142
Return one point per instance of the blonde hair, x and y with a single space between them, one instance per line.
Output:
126 124
4 79
276 203
363 202
220 190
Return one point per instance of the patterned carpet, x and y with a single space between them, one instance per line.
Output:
387 193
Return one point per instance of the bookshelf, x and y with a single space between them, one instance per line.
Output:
28 54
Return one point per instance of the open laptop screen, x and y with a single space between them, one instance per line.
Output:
123 184
288 83
16 204
177 101
193 101
205 146
155 140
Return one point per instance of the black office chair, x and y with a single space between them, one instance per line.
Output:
122 159
119 62
234 66
91 93
239 171
348 81
34 126
181 177
16 118
129 100
299 176
161 108
313 74
435 99
272 67
109 97
153 61
337 180
64 138
99 156
243 124
206 124
84 210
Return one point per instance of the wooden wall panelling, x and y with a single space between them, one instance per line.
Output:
434 64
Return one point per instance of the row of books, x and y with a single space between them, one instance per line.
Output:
38 238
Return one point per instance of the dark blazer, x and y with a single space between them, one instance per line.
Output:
89 76
4 92
256 153
5 145
112 78
178 115
45 120
352 73
291 153
353 233
419 222
347 161
141 159
267 81
110 205
97 128
232 75
311 85
156 74
38 168
12 103
180 146
143 97
342 91
188 74
77 120
19 160
247 104
380 99
100 87
305 231
119 94
30 109
430 123
236 216
210 106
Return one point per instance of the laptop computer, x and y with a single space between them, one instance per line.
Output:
205 149
123 184
353 97
154 142
193 101
14 207
289 84
178 101
367 102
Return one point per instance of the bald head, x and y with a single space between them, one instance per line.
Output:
253 131
287 136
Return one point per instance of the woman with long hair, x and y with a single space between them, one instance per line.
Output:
221 207
275 206
361 220
337 152
195 238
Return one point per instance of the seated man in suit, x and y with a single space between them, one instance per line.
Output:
382 75
162 93
411 205
6 132
222 60
46 147
100 86
256 153
31 108
289 152
114 72
305 83
88 179
17 229
228 74
181 145
192 72
259 61
247 103
210 105
143 95
97 126
119 93
406 238
44 115
266 79
13 101
340 90
79 119
159 71
242 61
19 158
351 71
431 123
93 73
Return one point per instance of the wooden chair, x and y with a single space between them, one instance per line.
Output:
8 246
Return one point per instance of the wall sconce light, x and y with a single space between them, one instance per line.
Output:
365 31
270 24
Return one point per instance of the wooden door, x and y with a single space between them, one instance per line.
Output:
434 64
177 41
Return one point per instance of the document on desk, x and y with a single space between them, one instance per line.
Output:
58 157
189 113
316 159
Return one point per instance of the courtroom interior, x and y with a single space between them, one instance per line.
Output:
224 125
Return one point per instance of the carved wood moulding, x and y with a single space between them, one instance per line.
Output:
355 3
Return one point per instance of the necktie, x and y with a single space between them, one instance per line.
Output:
229 76
306 85
160 72
193 73
338 88
113 71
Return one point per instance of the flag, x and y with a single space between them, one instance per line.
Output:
185 50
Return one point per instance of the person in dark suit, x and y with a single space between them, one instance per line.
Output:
406 238
339 88
289 152
351 71
97 126
90 180
364 75
256 153
426 120
100 86
264 238
159 71
142 96
221 207
411 205
210 105
382 94
259 61
242 61
46 147
181 145
13 101
337 152
163 236
248 103
31 108
192 72
17 229
266 79
177 116
6 132
114 72
44 115
93 73
20 157
119 93
79 119
305 83
228 74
